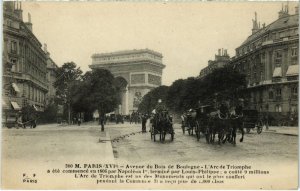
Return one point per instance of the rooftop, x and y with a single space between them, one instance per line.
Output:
285 22
126 52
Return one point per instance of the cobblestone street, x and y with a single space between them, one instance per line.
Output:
138 147
53 146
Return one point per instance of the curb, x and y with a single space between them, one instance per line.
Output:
109 155
288 134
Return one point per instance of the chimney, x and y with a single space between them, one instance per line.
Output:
219 52
18 10
225 52
255 27
29 24
46 51
45 48
222 52
284 12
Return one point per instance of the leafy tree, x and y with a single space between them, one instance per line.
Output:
50 114
101 92
191 93
223 83
175 95
67 75
150 100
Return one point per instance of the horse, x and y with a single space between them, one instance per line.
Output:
162 123
219 123
188 119
237 124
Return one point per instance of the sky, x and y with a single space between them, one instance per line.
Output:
187 34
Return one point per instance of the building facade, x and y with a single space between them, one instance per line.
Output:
24 63
51 77
138 70
221 59
269 59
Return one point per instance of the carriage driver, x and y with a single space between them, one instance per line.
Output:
239 108
223 111
160 107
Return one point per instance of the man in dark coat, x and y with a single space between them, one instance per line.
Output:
224 111
101 121
144 120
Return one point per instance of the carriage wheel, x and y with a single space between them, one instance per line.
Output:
259 127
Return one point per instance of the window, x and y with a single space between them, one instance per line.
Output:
278 58
13 47
294 90
263 56
278 108
271 95
261 76
278 92
294 51
278 54
294 108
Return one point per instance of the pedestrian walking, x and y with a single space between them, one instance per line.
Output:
79 121
266 121
101 121
144 120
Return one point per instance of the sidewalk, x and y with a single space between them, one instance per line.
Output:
56 143
291 131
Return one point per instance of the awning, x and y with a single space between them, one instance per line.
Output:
277 72
4 105
16 88
15 105
293 70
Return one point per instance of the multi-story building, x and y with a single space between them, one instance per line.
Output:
220 61
51 77
138 70
269 59
24 62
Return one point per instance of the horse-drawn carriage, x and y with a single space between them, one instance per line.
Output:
211 122
189 121
196 120
161 124
252 120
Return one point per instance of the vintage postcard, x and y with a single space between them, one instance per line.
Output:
150 95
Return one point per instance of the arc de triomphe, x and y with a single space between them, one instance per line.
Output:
138 71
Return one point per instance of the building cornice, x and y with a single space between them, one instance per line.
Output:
128 63
127 52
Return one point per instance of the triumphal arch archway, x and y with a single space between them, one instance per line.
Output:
137 72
